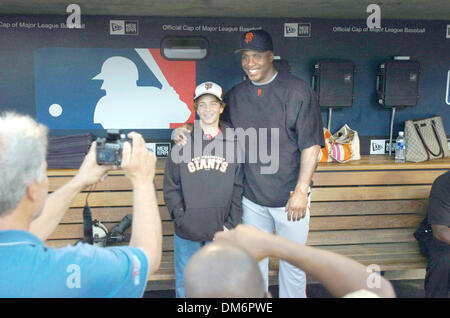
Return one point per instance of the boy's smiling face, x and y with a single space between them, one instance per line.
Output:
209 109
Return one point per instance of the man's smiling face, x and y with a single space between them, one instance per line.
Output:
258 65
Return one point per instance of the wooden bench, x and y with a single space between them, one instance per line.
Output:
366 210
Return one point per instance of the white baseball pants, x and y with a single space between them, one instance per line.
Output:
292 280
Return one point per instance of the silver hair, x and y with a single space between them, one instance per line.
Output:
23 149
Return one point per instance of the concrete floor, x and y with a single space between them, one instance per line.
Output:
403 289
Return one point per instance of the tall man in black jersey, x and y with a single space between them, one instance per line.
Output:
271 100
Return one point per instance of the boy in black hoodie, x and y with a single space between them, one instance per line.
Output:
203 181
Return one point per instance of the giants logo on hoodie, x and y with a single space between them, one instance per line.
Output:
207 163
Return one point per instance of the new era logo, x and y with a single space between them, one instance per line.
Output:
162 150
131 27
116 27
290 29
304 29
297 29
123 27
377 146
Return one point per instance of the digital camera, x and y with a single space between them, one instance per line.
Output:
109 149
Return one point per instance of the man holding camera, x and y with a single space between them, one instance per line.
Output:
28 216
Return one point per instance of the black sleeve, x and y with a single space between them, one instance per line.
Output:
439 203
173 193
309 125
225 116
235 216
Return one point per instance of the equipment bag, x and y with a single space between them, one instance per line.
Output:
425 139
398 83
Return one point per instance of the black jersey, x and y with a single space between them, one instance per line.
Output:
439 203
283 113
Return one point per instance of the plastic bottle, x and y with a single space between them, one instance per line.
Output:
400 148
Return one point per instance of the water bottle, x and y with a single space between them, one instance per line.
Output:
400 148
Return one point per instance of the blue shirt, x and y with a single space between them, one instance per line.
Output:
30 269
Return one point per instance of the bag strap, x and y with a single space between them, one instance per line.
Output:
428 150
87 225
441 149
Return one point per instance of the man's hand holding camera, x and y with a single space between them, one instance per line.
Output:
90 172
116 151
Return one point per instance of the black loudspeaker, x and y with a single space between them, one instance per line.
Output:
398 83
333 83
